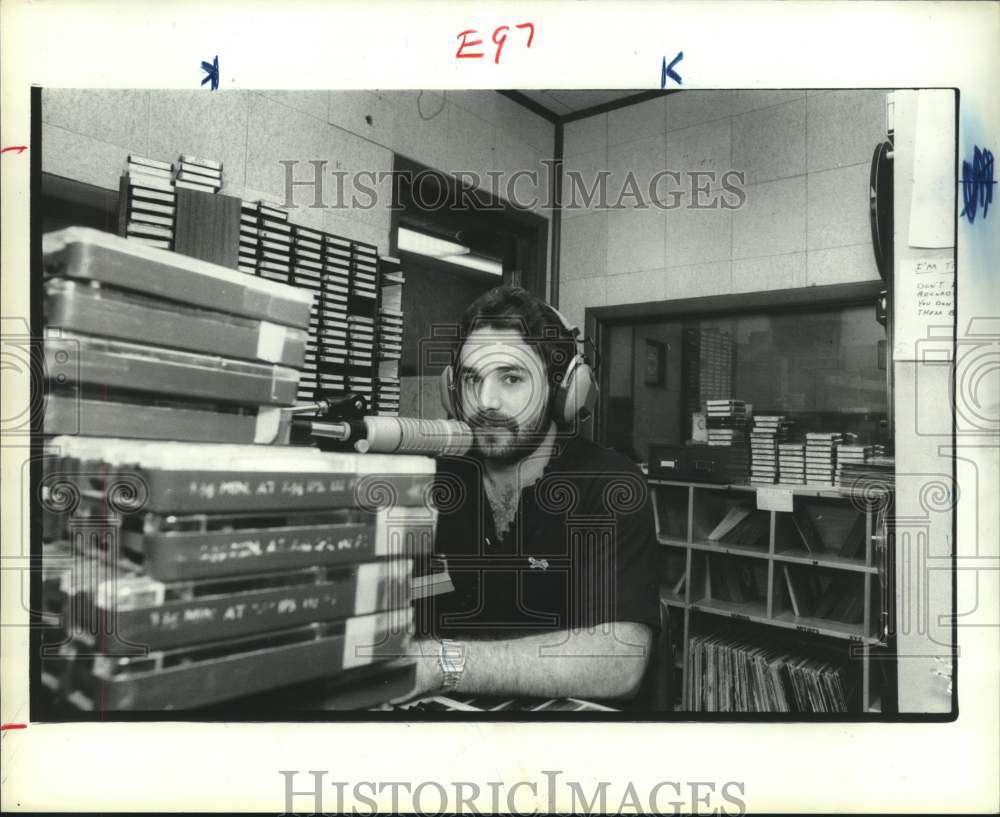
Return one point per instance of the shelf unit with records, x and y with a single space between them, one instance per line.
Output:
815 575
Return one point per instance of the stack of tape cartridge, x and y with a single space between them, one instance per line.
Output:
390 336
149 202
265 241
144 343
821 457
360 359
196 173
307 272
249 248
334 308
345 324
183 576
361 322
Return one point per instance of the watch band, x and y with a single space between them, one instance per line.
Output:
451 659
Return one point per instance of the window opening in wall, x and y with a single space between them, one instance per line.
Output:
824 369
454 247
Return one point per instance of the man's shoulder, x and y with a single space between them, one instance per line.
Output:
606 481
459 465
586 455
576 456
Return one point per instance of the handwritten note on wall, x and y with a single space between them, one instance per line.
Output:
925 304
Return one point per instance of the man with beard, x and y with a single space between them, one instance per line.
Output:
549 538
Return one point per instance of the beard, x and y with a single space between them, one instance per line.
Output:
503 439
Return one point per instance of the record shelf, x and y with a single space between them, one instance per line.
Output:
814 576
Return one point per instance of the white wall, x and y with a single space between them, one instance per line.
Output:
88 134
805 221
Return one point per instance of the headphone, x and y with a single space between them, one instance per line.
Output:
573 397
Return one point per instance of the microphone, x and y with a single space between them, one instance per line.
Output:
398 435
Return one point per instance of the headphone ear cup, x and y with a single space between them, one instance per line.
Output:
446 385
576 394
585 389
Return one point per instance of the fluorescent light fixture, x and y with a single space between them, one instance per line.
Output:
476 262
448 251
423 244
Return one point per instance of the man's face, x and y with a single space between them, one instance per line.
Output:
503 392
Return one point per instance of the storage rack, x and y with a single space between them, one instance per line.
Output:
685 512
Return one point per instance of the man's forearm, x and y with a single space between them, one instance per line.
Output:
567 663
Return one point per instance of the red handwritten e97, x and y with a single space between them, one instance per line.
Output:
499 38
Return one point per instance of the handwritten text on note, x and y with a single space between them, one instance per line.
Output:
467 46
935 288
924 297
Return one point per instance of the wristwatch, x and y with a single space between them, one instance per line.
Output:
451 659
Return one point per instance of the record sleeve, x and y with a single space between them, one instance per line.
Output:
72 414
164 615
182 477
156 370
79 252
109 311
192 677
179 548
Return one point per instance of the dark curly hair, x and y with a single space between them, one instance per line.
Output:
507 307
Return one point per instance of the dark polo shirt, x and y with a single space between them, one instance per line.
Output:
580 552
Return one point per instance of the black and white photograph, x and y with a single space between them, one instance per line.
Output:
351 402
650 406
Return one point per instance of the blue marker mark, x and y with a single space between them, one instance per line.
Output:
211 70
668 70
977 183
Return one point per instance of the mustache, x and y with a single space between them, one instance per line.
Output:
485 419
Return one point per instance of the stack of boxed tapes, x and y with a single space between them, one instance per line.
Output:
265 242
249 249
791 463
768 431
361 346
144 343
727 426
274 235
335 296
727 421
851 454
821 457
225 571
342 275
876 473
148 202
360 342
365 272
194 173
307 272
707 365
361 323
390 336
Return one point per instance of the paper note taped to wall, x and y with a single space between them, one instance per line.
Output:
924 304
932 195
